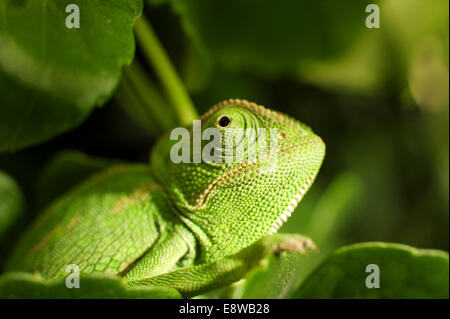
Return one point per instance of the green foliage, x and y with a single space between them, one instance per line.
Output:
11 202
247 34
141 99
275 279
405 272
97 286
51 77
324 43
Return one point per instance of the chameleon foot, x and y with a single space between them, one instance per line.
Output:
287 242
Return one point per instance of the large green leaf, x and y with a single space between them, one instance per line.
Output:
404 272
51 76
25 285
11 202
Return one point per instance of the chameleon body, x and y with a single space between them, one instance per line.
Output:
191 226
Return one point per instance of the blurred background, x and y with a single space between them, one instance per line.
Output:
378 97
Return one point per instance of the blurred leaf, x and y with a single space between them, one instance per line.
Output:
429 77
330 211
437 146
275 279
196 72
362 69
51 76
396 53
65 170
421 47
11 202
261 36
431 22
142 101
405 272
26 285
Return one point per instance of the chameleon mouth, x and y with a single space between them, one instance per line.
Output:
287 212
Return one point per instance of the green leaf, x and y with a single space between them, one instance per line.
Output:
98 286
11 202
51 77
269 37
64 170
404 272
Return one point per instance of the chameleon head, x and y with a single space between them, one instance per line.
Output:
262 166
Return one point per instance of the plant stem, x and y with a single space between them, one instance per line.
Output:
157 57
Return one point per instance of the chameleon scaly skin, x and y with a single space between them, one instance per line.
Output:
192 226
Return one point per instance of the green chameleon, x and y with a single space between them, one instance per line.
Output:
190 226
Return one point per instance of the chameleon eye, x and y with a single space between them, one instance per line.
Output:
224 121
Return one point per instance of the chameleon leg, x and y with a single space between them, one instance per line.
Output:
195 280
161 258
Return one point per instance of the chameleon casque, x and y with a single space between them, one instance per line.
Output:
190 226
